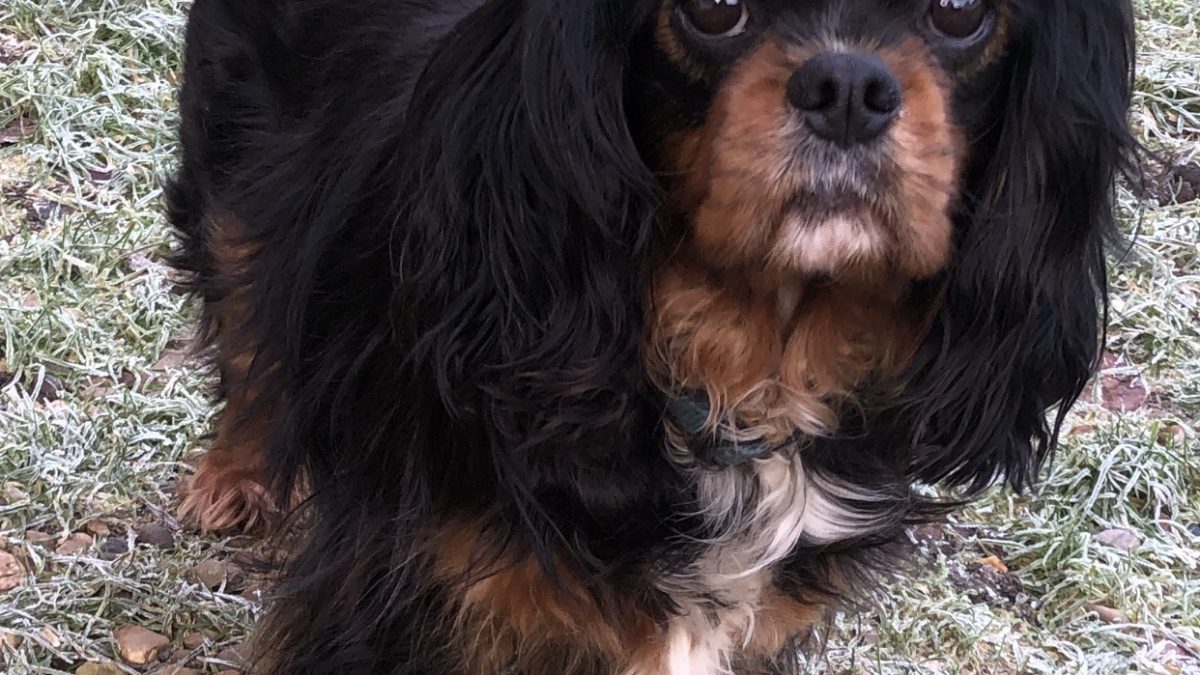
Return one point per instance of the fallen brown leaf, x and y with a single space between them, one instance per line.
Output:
18 129
12 574
10 639
995 563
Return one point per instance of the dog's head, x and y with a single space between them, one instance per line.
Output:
815 138
963 151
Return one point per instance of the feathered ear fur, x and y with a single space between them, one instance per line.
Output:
519 240
471 338
1021 326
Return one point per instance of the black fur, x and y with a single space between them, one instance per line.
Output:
1021 329
452 217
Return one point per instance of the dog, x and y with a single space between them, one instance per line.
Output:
620 337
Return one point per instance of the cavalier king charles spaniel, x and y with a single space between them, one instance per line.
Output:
619 337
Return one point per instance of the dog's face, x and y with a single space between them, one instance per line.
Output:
817 137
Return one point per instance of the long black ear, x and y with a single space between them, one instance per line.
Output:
1022 325
518 242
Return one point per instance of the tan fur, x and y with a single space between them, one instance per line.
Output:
229 490
780 619
513 614
734 168
510 614
928 150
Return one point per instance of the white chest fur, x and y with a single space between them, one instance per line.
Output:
760 513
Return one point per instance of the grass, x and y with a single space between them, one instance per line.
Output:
100 411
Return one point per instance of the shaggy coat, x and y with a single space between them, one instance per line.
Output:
616 337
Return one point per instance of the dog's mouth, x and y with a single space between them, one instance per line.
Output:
832 232
818 201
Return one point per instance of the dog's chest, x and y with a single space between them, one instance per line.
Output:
758 513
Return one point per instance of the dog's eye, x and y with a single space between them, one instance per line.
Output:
716 18
957 19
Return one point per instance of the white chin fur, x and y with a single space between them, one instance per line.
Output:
829 245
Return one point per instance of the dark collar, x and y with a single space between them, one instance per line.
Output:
689 411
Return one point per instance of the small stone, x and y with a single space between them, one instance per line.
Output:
1123 392
75 544
213 574
12 574
1119 538
255 591
1108 614
99 669
246 560
232 656
929 533
140 262
1172 435
101 175
156 534
197 638
210 573
22 127
139 646
39 538
172 359
1169 655
96 528
113 547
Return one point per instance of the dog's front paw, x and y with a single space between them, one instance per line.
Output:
222 499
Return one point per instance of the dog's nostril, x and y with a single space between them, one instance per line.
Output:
882 96
845 98
814 96
828 95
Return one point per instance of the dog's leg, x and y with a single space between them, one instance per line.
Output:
231 488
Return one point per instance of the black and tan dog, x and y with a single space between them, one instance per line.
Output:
611 337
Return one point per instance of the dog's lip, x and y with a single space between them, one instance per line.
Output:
824 202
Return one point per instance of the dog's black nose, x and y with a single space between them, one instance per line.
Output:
845 98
